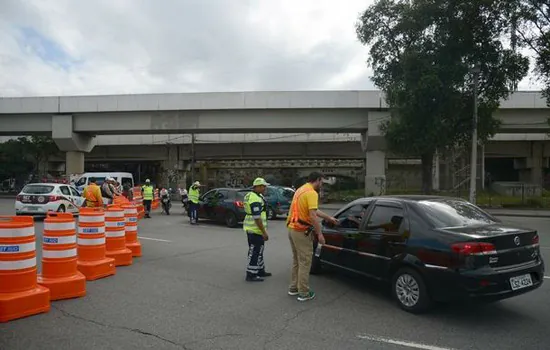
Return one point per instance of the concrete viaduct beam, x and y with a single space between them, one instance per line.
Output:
74 144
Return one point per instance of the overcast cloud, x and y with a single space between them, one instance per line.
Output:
75 47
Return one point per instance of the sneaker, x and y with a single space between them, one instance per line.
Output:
293 293
305 297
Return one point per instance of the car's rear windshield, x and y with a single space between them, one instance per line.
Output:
286 192
240 194
38 189
453 213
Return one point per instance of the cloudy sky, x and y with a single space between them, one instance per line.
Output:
75 47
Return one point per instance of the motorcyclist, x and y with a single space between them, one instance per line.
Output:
165 200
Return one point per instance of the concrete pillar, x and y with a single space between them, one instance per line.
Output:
171 167
74 162
375 180
536 163
73 143
374 146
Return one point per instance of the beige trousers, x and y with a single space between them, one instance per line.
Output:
302 253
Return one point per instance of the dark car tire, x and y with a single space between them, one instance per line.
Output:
231 219
61 209
407 277
271 214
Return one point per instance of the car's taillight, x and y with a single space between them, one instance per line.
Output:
239 204
536 239
54 198
19 198
474 248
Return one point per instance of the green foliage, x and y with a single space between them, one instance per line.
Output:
532 25
22 156
422 53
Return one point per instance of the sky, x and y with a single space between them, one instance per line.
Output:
100 47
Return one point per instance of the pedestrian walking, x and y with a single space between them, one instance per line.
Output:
255 227
303 224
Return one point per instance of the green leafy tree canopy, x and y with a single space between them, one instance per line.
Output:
422 54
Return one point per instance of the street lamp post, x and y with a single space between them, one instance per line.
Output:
473 163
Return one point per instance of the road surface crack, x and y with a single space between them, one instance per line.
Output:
279 333
135 330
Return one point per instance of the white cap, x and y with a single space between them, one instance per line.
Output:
196 183
147 180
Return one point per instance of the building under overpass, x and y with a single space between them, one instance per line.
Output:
79 123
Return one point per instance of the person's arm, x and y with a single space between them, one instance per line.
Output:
256 212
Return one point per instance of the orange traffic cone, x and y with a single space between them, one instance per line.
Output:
92 261
20 295
116 240
131 216
59 256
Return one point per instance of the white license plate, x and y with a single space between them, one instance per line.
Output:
520 282
33 208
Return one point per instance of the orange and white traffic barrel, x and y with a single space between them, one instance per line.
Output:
20 295
59 258
92 261
131 228
116 236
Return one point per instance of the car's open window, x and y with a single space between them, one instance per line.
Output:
209 195
352 217
453 213
74 192
385 219
65 190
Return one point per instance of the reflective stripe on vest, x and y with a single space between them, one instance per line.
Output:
89 195
249 225
147 193
193 194
294 212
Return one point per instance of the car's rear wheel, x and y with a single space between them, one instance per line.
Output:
410 291
231 219
61 209
271 213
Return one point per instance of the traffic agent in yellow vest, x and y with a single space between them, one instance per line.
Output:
255 226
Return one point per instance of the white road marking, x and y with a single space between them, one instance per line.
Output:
401 343
154 239
547 277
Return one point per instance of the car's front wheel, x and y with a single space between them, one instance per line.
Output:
410 291
271 214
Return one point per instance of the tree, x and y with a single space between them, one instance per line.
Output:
23 155
422 53
531 22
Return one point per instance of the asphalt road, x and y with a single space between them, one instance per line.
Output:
188 292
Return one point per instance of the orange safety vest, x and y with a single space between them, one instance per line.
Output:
90 196
294 214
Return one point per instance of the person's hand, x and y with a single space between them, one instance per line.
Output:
321 238
333 220
266 237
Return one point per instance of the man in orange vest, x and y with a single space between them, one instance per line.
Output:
303 224
92 194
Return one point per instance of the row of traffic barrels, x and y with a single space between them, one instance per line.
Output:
71 255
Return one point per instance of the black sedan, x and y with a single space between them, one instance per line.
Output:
223 205
432 249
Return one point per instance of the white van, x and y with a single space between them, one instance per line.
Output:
124 179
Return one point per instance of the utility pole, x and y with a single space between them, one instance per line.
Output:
473 164
192 158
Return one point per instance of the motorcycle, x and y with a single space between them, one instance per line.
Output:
185 202
166 203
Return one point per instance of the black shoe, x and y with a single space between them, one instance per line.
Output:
265 274
254 279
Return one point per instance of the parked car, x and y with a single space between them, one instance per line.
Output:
278 199
432 249
124 180
223 205
39 198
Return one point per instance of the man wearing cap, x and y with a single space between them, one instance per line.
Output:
194 194
147 192
255 226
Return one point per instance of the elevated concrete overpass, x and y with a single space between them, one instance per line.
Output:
74 121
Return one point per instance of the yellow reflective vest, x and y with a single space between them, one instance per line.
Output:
147 193
249 225
193 195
